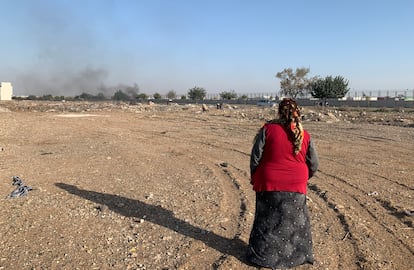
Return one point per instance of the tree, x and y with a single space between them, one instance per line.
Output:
121 96
228 95
329 87
157 96
86 96
171 94
47 97
197 93
294 84
244 98
141 96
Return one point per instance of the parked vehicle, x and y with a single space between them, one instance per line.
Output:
266 102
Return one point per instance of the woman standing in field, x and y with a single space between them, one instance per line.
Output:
283 159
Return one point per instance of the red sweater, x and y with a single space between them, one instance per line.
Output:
279 168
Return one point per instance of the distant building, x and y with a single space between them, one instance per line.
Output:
6 91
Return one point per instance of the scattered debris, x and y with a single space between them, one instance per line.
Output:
374 193
21 190
84 224
310 113
101 208
150 196
345 236
205 108
409 213
224 164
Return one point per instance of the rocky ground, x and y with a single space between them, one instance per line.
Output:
122 186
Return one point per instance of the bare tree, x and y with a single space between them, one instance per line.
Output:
294 83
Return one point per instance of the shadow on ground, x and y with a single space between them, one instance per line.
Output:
160 216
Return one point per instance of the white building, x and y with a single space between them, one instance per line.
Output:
6 91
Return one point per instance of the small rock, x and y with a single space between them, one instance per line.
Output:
101 207
204 107
374 193
409 212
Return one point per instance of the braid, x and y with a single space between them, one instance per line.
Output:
289 114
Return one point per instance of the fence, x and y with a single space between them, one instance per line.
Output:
353 94
360 98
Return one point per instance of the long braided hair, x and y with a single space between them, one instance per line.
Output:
290 117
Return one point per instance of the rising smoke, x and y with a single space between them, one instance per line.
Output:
67 56
67 83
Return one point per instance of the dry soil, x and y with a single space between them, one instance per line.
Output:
119 186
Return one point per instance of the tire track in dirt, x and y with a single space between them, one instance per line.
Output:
348 239
231 203
363 219
351 229
353 256
341 260
348 132
229 173
386 204
366 184
234 190
234 201
233 174
367 172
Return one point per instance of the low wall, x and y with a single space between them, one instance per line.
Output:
385 103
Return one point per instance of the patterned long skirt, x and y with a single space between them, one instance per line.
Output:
281 233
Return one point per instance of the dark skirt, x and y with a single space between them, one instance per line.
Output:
281 233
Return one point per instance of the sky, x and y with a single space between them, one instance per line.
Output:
68 47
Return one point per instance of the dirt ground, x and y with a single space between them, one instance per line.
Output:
119 186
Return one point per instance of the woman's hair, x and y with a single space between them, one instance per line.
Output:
289 115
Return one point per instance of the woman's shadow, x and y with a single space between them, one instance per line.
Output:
163 217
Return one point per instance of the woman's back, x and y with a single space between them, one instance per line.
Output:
280 169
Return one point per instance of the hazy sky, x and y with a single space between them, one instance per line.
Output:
72 46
